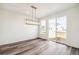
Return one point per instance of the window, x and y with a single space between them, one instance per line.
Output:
61 27
57 27
52 28
42 26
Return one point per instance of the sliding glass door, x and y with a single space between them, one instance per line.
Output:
57 28
61 27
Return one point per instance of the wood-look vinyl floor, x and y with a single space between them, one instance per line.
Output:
38 47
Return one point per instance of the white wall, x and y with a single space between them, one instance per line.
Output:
13 27
72 25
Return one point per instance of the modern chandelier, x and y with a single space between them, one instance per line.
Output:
33 20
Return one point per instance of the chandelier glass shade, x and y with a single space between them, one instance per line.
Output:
33 19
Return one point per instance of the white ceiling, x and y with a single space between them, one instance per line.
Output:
43 9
